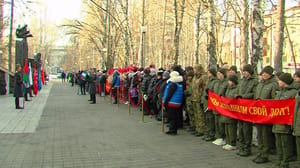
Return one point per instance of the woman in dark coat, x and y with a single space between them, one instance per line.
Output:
18 89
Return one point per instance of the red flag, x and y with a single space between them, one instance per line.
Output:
26 73
25 70
42 76
255 111
35 81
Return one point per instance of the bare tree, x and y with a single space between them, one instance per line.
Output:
197 32
245 33
257 34
178 26
280 36
212 37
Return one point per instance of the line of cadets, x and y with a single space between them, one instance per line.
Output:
186 90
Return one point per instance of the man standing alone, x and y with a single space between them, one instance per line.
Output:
18 89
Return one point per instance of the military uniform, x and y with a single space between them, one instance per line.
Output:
198 84
247 88
230 123
296 125
282 132
220 88
209 116
296 122
265 89
188 101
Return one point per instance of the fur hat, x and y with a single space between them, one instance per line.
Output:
152 71
174 74
223 71
297 73
286 78
234 68
248 68
234 79
268 69
213 71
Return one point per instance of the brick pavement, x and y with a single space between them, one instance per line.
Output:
60 129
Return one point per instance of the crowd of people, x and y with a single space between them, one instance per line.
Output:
182 95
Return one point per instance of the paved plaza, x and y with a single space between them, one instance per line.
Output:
60 129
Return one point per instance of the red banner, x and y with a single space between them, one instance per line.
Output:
255 111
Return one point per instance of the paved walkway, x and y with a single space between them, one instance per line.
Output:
60 129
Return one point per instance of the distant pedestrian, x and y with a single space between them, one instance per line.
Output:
92 88
63 77
115 85
18 89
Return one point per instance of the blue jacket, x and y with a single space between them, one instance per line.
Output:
173 95
116 79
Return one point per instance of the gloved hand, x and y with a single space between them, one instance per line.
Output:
206 90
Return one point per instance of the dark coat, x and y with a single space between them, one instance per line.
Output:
92 84
296 123
284 93
231 92
266 89
18 89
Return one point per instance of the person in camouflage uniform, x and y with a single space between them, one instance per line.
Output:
220 88
198 84
247 88
209 116
188 101
283 132
265 89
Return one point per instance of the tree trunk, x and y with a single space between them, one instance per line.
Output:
257 34
178 27
126 34
245 33
197 33
212 37
280 36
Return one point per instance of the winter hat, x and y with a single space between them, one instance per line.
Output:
199 67
223 71
277 74
234 79
160 72
248 68
268 69
213 71
147 71
233 68
174 74
286 78
166 74
297 73
225 66
190 73
152 71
